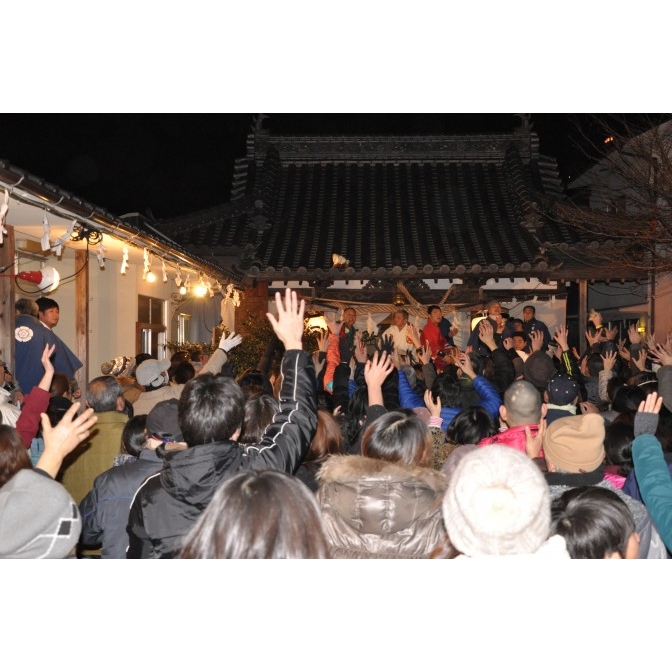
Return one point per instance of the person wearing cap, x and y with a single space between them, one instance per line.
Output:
105 508
498 504
38 518
152 374
561 396
210 415
574 456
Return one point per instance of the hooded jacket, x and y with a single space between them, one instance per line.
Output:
377 509
167 505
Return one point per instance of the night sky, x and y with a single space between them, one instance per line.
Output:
171 164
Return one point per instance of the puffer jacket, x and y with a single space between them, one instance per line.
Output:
377 509
167 505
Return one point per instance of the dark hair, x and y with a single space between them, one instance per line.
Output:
595 364
471 425
134 438
257 378
614 385
102 393
44 303
257 515
259 412
60 385
398 436
183 373
530 307
618 438
448 389
627 399
211 408
13 454
594 522
432 307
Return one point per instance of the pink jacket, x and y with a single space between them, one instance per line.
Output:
514 437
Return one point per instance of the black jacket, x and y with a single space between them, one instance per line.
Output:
167 505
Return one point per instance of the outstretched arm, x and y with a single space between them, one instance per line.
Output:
62 439
287 438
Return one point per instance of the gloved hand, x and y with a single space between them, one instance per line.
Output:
229 342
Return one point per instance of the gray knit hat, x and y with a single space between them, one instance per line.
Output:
497 503
38 518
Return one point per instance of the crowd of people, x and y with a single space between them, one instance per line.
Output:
518 445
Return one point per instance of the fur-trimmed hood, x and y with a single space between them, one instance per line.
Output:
381 508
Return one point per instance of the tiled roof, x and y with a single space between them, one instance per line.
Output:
431 206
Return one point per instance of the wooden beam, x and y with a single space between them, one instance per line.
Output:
7 299
583 314
82 316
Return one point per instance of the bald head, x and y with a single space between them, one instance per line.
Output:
523 404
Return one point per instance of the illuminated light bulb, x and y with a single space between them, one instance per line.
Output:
200 289
151 277
183 290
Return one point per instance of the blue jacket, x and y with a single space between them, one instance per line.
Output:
655 483
490 399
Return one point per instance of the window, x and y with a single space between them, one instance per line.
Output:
150 329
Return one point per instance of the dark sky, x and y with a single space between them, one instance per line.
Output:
165 165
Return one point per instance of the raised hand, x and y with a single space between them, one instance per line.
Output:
536 341
634 336
229 342
661 354
561 337
288 326
62 439
652 404
434 407
486 334
533 444
465 364
609 360
640 360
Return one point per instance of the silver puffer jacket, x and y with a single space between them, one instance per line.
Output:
377 509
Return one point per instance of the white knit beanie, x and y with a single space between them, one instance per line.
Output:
497 503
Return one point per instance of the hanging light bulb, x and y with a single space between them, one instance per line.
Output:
183 290
200 289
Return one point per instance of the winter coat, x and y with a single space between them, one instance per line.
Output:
651 545
490 400
105 509
377 509
167 505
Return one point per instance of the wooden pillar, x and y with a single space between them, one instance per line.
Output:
254 300
82 316
7 299
583 314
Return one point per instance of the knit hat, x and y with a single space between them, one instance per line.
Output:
497 503
575 443
539 369
149 372
38 518
119 366
162 421
562 390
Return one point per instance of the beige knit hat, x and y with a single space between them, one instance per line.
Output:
575 443
497 503
119 366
